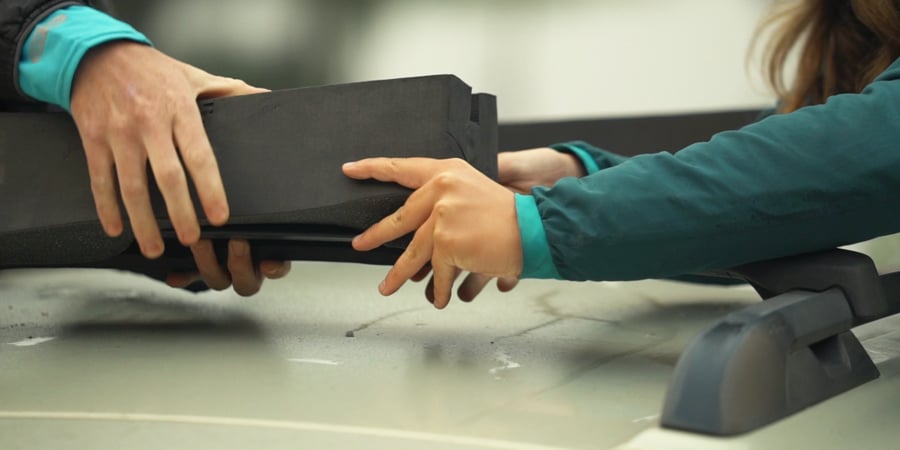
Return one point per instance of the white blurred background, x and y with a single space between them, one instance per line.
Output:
544 59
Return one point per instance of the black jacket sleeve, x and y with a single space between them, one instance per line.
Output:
17 19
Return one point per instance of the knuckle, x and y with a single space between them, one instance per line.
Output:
445 180
120 126
196 157
442 209
397 217
457 163
393 166
186 107
443 238
92 136
133 187
169 176
143 112
411 254
101 183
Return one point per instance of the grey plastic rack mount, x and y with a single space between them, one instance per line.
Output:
770 360
280 156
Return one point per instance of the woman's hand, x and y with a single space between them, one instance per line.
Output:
519 171
522 170
133 105
246 278
463 221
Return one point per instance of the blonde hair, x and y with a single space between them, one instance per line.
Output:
842 46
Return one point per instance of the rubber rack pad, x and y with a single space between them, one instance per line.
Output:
280 157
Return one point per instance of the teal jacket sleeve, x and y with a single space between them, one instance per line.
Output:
593 159
817 178
55 47
536 253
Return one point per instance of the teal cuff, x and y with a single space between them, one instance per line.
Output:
536 259
590 166
54 49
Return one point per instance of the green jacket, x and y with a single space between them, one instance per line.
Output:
817 178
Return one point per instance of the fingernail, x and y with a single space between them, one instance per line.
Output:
152 250
381 287
349 165
219 215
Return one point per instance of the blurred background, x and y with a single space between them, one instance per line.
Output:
544 59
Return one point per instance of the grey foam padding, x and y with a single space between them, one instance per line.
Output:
280 156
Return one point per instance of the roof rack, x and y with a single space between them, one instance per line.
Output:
775 358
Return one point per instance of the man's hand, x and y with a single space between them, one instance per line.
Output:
241 272
133 105
462 220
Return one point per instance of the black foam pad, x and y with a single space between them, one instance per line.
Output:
280 156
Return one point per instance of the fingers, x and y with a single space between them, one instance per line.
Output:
172 183
414 212
422 273
408 172
200 162
244 276
103 187
208 265
416 255
274 270
212 86
472 286
442 284
507 284
182 279
132 173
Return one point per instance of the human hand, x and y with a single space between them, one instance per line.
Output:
133 105
473 284
241 272
462 220
522 170
519 171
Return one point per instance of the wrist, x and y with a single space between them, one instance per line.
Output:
573 165
586 163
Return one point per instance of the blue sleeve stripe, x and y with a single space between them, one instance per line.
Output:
590 166
536 259
54 49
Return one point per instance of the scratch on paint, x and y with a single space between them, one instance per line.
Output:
32 341
324 362
508 364
649 418
352 333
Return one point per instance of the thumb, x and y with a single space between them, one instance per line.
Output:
225 87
